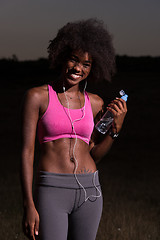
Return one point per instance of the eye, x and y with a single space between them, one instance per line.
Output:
72 59
86 65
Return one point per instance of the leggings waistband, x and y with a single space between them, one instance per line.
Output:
67 180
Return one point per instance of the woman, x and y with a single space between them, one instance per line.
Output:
68 199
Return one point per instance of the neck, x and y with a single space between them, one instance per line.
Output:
60 86
71 90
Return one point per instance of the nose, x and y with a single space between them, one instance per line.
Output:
77 67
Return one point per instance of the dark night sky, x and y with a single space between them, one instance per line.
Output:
28 25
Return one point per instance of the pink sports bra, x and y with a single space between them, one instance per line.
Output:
56 123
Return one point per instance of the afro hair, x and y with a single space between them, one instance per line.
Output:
89 36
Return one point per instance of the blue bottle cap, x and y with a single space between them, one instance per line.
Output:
124 97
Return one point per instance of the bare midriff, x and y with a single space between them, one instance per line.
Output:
57 156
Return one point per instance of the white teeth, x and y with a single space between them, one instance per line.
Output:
75 76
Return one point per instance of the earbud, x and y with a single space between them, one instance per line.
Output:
64 89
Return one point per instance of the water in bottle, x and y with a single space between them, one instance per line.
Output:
106 121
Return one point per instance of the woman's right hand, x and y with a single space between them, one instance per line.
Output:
31 222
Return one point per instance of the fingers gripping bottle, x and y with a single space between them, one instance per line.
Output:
105 122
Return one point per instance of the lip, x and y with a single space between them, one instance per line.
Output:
74 76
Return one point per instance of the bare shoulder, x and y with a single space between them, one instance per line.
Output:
36 95
96 103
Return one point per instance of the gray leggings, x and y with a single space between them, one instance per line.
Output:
64 213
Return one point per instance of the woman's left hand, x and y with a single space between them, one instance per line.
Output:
119 109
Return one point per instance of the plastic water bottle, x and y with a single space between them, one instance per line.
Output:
105 122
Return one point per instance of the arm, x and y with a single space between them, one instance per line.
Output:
99 150
30 114
100 145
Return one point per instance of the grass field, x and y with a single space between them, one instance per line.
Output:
130 173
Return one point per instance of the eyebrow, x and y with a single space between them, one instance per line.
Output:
87 61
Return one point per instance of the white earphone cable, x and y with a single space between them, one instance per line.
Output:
76 162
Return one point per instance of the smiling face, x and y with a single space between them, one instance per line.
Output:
77 67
